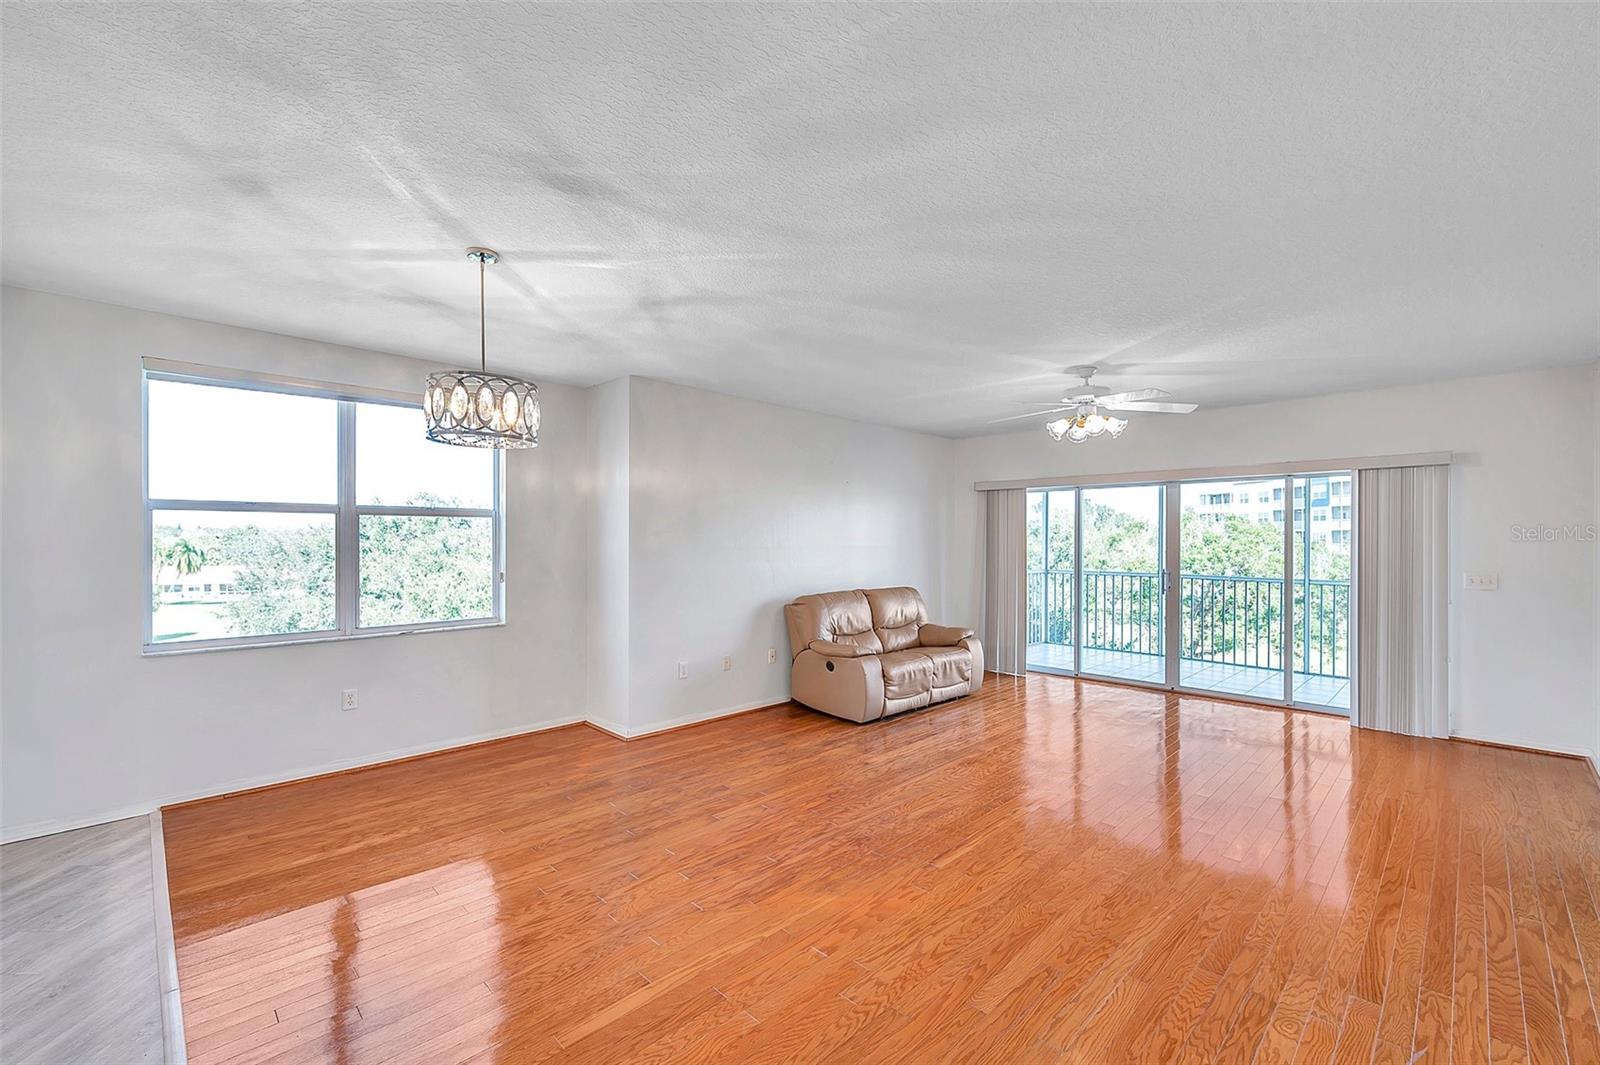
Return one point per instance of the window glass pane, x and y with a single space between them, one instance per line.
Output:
397 465
1322 595
420 569
208 442
217 575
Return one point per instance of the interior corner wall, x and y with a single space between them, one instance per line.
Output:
91 730
1522 657
607 619
732 508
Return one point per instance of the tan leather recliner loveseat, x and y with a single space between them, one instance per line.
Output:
866 654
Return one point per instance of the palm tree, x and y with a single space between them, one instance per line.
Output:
185 559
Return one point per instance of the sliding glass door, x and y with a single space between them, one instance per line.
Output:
1123 606
1052 527
1260 608
1230 587
1322 537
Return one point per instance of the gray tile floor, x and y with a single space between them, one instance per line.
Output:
78 966
1309 689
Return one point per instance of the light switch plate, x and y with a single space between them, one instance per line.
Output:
1481 582
683 671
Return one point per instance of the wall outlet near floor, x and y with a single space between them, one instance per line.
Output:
727 663
772 655
683 671
1481 582
348 702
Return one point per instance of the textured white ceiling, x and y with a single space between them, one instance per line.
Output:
905 214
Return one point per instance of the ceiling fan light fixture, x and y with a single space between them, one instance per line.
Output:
1085 426
474 408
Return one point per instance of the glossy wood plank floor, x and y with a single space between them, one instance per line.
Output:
1052 870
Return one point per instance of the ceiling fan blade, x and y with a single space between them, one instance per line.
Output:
1154 408
1134 396
1029 414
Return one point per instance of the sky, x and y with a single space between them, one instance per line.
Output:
213 443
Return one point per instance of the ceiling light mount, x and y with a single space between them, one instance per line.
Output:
474 408
1083 407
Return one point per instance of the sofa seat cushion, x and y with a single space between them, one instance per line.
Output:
906 673
951 665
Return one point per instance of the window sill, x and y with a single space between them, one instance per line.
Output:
162 650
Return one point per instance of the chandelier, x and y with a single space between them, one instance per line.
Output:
1085 422
474 408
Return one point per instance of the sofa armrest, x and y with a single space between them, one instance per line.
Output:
851 688
942 635
833 649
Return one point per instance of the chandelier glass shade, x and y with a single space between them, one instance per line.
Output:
1085 425
475 408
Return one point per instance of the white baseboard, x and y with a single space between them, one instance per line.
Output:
1574 752
617 728
17 833
31 830
35 829
605 724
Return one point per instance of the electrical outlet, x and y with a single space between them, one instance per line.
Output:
683 671
1481 582
772 655
349 701
727 663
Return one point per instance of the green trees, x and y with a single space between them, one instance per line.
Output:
412 568
1232 601
425 569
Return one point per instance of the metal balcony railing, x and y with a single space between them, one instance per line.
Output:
1223 620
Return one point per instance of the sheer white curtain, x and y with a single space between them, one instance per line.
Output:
1005 580
1402 600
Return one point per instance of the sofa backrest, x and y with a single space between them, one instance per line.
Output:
897 615
843 617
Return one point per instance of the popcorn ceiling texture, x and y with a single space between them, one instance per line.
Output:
905 214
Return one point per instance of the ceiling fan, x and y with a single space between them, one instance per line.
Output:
1083 419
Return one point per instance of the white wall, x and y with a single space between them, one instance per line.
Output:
660 524
91 730
608 616
735 508
655 524
1523 657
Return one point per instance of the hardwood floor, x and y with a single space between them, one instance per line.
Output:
1051 870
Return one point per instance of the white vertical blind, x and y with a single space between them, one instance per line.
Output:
1005 586
1402 600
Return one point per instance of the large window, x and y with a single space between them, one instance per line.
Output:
278 512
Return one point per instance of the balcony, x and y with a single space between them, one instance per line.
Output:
1230 632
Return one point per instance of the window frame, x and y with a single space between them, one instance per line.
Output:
346 512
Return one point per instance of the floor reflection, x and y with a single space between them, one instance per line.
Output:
1052 868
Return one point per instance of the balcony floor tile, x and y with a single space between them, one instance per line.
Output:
1225 678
